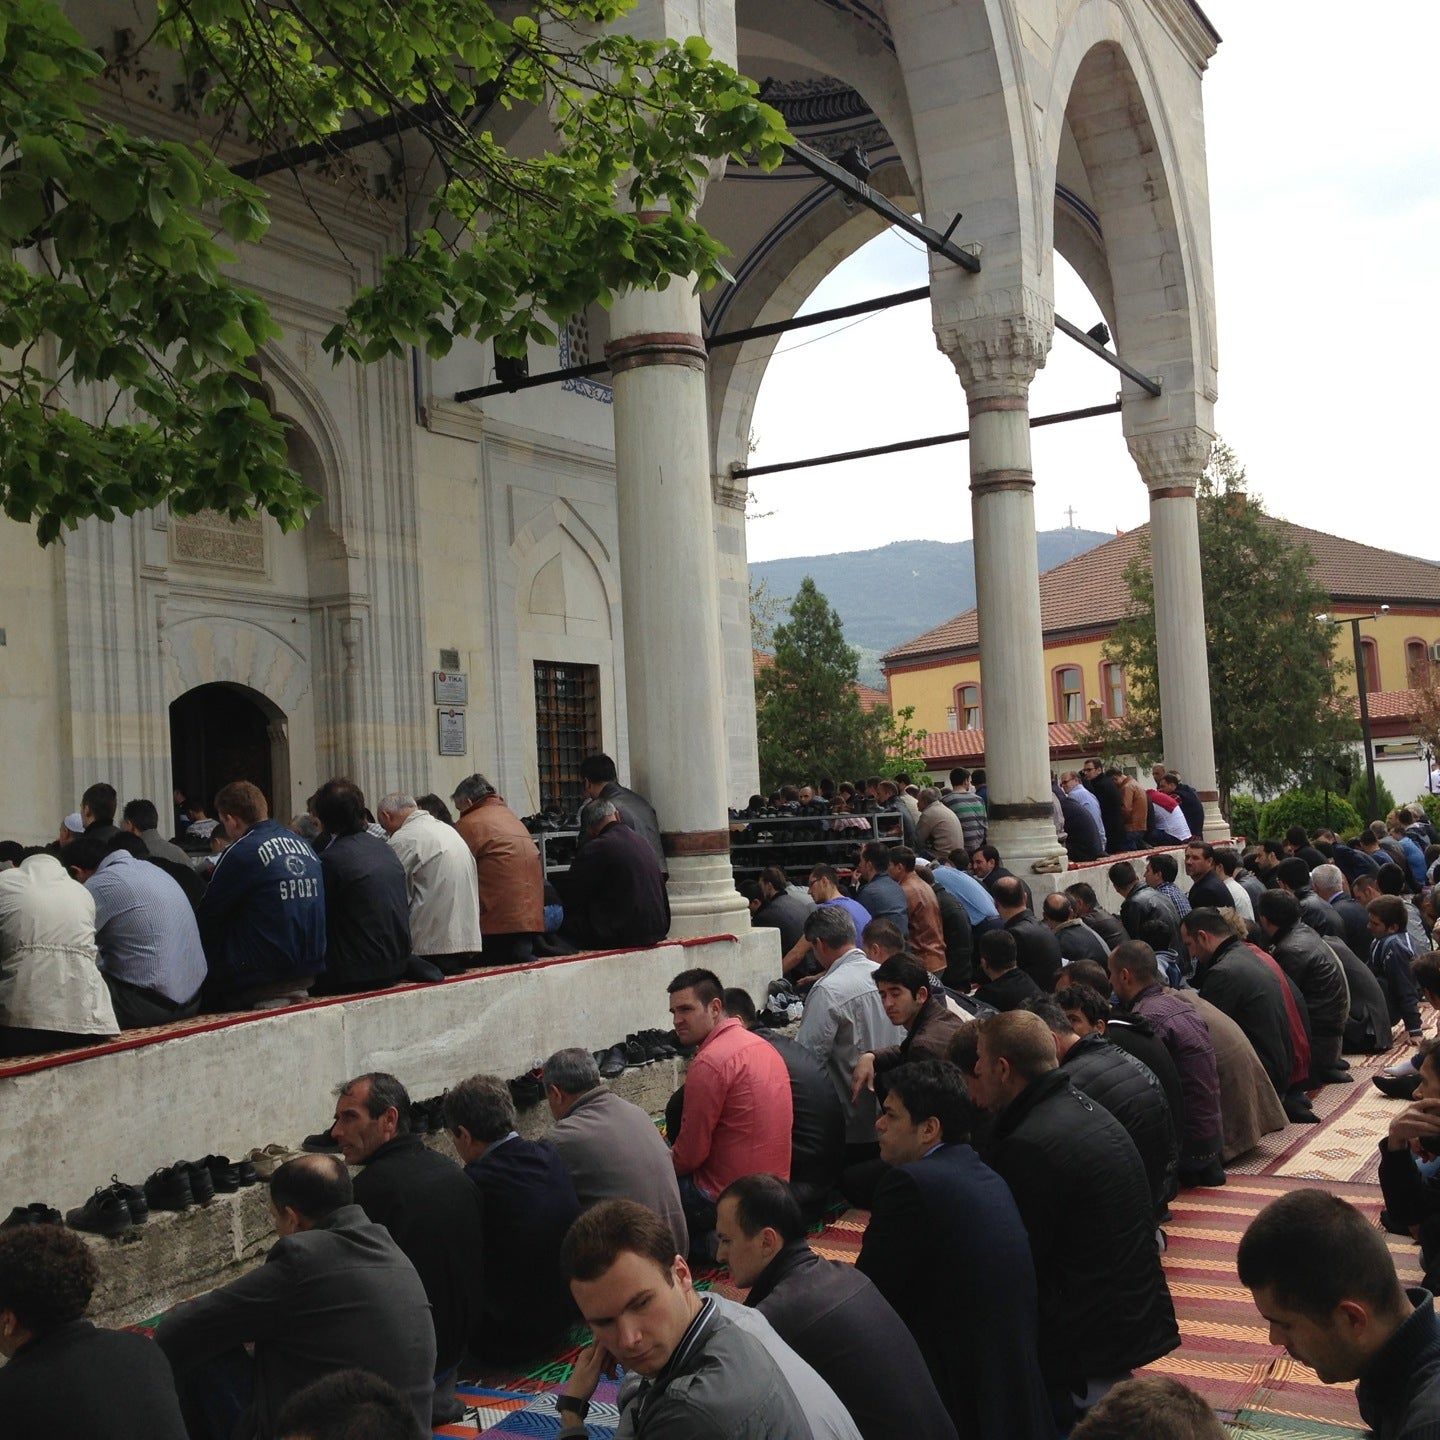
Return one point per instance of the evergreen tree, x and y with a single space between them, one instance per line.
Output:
808 716
1273 676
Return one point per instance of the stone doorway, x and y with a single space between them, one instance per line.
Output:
223 732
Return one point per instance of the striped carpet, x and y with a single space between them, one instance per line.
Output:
1259 1392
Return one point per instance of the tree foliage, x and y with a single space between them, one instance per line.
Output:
1273 678
1311 809
115 244
808 715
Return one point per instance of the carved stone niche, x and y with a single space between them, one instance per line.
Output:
210 538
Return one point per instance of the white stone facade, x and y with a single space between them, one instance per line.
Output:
494 529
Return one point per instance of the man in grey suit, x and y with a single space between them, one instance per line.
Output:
601 781
611 1147
335 1293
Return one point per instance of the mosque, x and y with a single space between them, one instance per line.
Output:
504 583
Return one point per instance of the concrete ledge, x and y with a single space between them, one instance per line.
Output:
65 1129
174 1256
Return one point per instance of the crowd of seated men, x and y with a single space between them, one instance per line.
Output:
113 927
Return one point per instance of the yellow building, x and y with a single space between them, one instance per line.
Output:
941 672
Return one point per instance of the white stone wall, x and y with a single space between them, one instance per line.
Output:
271 1077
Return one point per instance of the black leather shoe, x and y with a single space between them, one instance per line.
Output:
33 1214
202 1183
1397 1087
134 1198
321 1143
526 1090
245 1173
611 1061
104 1213
635 1052
224 1176
169 1189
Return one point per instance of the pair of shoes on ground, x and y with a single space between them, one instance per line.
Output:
528 1089
35 1213
427 1117
1399 1082
641 1048
267 1159
196 1182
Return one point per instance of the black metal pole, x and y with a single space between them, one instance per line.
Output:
1147 383
848 184
1362 686
714 342
924 442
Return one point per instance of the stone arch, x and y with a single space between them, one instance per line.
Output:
321 459
816 236
971 104
209 649
1105 100
566 600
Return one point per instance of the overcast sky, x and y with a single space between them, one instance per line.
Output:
1324 159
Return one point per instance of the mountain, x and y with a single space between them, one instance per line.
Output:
892 594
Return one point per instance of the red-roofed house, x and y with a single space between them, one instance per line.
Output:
940 672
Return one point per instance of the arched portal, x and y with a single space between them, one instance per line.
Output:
222 732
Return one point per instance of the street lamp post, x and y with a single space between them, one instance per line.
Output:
1362 689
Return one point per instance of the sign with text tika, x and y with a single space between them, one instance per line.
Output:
450 724
452 687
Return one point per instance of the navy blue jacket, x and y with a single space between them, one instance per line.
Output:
263 917
527 1203
1399 1393
966 1291
367 913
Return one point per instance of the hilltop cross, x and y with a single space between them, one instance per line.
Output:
1070 516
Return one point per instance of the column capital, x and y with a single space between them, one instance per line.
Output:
997 342
730 490
1171 462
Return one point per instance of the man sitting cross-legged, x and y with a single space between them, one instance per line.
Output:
1110 1077
817 1138
610 1146
430 1209
698 1367
1005 985
64 1378
922 1255
737 1110
829 1313
1104 1305
527 1202
335 1293
1323 1279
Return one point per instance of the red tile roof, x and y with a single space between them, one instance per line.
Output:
1089 592
870 697
956 747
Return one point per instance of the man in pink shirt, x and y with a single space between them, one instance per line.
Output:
736 1115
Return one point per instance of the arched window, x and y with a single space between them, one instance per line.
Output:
967 707
1069 694
1417 663
1112 689
1370 653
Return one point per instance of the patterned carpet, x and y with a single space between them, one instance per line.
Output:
1225 1354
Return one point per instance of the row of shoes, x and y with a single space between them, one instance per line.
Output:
117 1207
642 1048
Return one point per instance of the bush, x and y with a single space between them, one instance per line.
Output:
1245 816
1431 804
1359 797
1310 808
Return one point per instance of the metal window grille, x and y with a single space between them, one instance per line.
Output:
567 729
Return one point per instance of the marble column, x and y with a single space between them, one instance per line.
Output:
674 683
996 358
1171 463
